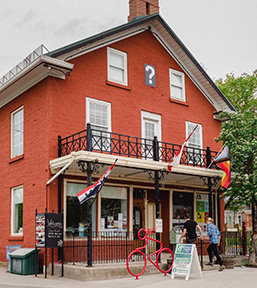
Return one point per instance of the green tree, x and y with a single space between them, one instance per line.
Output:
240 134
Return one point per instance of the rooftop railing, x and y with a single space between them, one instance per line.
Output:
134 147
41 50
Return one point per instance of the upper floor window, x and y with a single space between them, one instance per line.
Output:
117 66
17 210
98 114
17 132
151 126
195 143
177 85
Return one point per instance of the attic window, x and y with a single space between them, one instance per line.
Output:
147 6
177 85
117 66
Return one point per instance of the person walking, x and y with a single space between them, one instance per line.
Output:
190 230
214 236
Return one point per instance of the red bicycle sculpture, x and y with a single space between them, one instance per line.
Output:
158 252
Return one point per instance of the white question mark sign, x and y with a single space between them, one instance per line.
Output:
152 73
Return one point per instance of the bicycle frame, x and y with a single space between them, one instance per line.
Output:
158 252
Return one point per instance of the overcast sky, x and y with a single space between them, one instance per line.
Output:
221 34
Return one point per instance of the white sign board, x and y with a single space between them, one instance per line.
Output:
158 225
186 261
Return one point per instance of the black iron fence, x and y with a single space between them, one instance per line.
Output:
107 247
114 247
129 146
235 243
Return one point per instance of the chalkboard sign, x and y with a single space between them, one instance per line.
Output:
54 230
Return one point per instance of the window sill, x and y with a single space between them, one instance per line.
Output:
118 85
16 238
179 102
17 158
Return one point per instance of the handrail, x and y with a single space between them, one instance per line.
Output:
133 147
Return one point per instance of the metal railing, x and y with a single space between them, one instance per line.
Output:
115 246
133 147
235 243
107 247
39 51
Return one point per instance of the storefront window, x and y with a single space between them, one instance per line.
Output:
114 206
182 204
76 214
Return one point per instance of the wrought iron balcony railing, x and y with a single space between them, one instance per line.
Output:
134 147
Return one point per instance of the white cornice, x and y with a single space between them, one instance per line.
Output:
38 70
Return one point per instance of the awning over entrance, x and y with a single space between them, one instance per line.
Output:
133 169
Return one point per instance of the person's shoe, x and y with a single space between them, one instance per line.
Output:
209 264
221 268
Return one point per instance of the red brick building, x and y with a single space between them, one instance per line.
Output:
131 83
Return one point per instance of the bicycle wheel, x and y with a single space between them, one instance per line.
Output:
136 269
157 260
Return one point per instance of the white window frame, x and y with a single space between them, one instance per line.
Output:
152 118
13 215
124 69
13 154
182 75
107 104
106 143
190 143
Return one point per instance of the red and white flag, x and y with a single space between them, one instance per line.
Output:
94 189
176 159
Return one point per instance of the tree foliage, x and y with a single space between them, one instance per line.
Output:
240 134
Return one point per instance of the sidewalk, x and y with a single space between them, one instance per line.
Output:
237 278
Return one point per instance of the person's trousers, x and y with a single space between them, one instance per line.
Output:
214 248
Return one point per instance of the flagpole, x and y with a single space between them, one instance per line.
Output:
214 158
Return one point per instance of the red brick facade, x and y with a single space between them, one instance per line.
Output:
58 107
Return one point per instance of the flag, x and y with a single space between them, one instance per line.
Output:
226 178
223 156
93 190
176 159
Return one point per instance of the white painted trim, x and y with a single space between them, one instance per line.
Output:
13 210
109 111
124 55
182 75
12 132
151 117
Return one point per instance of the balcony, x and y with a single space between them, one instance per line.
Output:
132 147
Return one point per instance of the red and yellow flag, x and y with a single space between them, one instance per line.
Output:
226 178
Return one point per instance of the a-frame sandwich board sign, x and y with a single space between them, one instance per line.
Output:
186 261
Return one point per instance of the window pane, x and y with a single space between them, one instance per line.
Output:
18 210
77 213
117 66
176 80
149 130
177 92
17 133
116 60
116 74
114 208
182 204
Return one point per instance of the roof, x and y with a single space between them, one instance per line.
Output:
168 39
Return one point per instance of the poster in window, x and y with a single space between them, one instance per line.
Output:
40 230
110 221
202 211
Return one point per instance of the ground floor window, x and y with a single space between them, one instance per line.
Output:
114 208
17 210
182 203
76 214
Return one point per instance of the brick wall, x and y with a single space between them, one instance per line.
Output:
139 7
